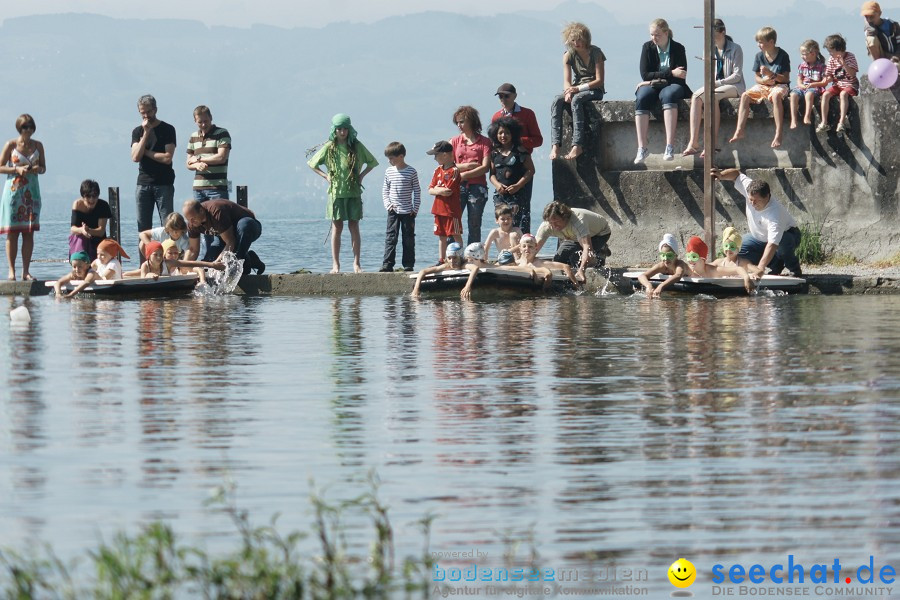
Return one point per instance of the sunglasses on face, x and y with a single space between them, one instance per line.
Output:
504 96
729 246
692 256
666 255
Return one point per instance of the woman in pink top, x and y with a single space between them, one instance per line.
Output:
472 154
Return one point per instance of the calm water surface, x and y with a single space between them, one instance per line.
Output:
617 428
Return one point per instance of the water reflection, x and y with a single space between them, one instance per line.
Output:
623 429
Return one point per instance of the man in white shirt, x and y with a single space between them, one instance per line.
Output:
774 235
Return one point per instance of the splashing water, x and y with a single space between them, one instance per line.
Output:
222 283
606 291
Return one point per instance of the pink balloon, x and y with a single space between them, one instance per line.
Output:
882 73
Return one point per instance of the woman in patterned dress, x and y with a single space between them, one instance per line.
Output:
22 160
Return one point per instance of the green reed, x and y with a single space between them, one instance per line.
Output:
154 564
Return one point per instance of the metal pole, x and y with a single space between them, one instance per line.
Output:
242 195
709 134
115 223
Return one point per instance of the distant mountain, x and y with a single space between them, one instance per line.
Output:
276 89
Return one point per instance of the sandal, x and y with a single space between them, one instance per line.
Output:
690 151
28 277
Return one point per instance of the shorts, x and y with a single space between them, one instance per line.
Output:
816 91
760 93
722 92
835 89
445 226
344 209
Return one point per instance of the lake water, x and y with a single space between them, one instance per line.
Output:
619 431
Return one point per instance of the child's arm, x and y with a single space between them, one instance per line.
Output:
423 273
146 272
644 278
466 293
386 193
88 279
132 273
200 263
673 278
492 236
496 182
529 174
57 285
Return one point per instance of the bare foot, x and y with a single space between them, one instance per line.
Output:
357 268
807 120
27 277
793 125
12 276
554 152
336 268
776 143
574 153
738 135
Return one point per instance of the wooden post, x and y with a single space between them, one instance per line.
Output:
242 195
709 135
115 223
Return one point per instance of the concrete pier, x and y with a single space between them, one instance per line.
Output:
847 185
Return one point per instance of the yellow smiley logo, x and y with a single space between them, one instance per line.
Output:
682 573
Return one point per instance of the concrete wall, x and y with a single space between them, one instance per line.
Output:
848 183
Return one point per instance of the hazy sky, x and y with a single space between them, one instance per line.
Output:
300 13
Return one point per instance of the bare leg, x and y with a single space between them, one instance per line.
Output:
743 113
696 120
778 110
795 109
642 126
810 101
12 250
337 227
670 118
442 248
826 99
574 153
27 250
845 107
353 226
717 119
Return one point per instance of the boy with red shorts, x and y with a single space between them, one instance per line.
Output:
444 187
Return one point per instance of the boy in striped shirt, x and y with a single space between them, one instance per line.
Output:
402 196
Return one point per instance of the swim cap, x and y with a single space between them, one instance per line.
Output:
505 257
528 238
475 251
454 249
168 244
696 244
82 256
151 248
112 247
731 235
670 241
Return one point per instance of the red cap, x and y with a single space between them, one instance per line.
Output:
695 244
151 248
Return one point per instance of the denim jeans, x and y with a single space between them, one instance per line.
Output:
578 102
203 196
148 196
785 255
213 194
246 231
405 225
473 197
646 98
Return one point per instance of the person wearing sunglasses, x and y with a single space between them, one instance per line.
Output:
774 235
668 264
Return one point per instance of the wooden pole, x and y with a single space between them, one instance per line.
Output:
242 195
709 134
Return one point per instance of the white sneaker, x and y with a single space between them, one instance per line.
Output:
642 155
669 154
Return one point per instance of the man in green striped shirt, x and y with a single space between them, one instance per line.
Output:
207 156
